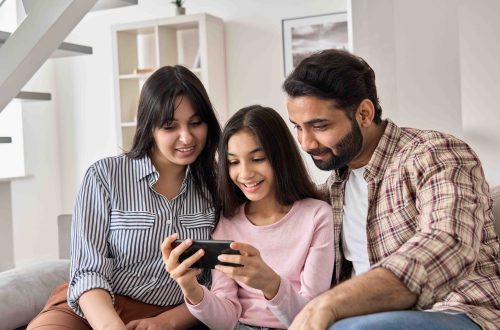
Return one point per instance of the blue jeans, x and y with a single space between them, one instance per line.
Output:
407 320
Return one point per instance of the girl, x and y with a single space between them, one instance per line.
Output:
283 234
128 204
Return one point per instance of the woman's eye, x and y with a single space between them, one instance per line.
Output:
232 162
196 123
168 128
258 160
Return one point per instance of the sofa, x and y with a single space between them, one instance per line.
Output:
24 290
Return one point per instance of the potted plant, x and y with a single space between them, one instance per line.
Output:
179 9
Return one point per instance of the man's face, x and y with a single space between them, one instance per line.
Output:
331 138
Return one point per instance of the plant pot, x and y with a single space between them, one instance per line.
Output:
180 11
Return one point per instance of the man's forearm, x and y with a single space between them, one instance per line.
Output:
375 291
99 310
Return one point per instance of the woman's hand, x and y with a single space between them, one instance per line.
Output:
255 272
180 272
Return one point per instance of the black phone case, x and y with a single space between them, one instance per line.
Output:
212 250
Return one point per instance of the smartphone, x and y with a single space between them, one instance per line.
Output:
212 250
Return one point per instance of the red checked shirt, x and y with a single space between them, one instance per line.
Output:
429 222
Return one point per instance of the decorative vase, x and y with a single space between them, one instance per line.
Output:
180 11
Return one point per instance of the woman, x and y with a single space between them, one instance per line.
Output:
126 206
283 233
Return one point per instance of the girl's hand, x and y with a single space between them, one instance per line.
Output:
180 272
255 272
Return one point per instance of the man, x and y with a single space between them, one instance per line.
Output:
415 244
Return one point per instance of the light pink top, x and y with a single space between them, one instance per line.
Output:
299 248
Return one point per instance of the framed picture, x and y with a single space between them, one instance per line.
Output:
303 36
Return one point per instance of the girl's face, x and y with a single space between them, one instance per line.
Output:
181 141
249 167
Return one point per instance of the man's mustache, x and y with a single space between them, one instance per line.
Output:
315 152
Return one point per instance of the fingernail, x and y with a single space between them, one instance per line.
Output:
220 258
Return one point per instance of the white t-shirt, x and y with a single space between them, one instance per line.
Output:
354 241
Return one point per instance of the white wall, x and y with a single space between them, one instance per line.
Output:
437 67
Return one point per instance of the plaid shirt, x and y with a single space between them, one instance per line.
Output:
429 222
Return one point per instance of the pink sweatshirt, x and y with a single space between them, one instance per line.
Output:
299 248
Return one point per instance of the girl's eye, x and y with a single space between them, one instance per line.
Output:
196 123
232 162
258 160
168 128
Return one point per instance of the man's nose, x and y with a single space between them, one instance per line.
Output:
307 140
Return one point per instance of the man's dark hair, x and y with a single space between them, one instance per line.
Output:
157 104
291 178
335 75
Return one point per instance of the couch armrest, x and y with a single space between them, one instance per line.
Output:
25 290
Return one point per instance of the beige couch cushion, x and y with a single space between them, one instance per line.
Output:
495 194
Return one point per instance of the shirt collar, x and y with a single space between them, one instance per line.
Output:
145 168
382 155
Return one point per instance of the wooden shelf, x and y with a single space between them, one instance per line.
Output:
194 41
139 76
129 124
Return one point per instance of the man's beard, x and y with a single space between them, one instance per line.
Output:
347 148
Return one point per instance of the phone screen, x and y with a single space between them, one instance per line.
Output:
212 250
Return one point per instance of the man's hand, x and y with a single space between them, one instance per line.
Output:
152 323
377 290
318 314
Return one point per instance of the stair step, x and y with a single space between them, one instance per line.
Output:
33 96
65 49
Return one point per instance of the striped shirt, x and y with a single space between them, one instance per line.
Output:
429 222
119 223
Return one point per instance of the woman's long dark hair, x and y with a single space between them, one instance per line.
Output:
157 105
291 177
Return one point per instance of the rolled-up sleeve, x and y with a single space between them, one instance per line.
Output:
91 265
452 204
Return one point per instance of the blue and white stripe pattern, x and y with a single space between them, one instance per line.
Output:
119 223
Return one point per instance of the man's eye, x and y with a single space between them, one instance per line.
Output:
297 127
320 127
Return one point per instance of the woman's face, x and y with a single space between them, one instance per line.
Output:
249 167
181 141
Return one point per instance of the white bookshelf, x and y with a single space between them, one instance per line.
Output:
195 41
